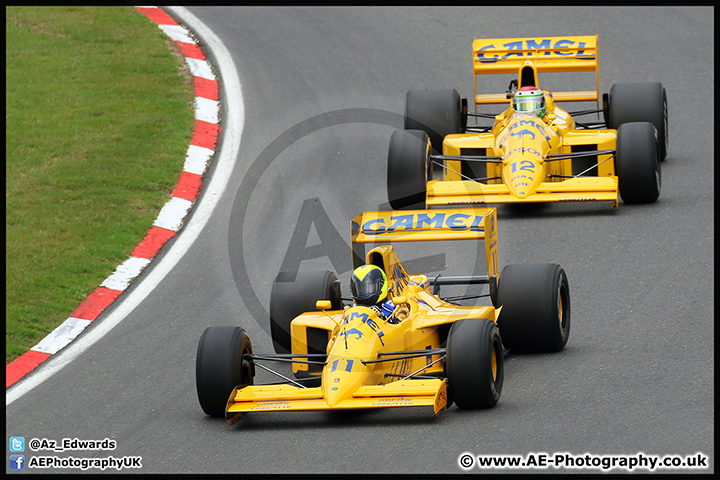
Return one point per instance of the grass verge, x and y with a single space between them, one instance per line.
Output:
99 115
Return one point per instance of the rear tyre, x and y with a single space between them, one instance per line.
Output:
220 366
636 163
535 300
474 363
437 112
408 169
640 102
297 292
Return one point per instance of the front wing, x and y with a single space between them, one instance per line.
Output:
400 393
467 192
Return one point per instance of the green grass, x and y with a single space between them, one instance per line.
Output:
99 116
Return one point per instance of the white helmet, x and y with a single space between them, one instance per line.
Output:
530 101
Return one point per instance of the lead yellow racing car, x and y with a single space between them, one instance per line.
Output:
534 151
427 351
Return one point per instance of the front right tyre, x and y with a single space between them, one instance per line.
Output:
636 163
474 364
408 169
438 112
220 366
294 293
535 300
640 102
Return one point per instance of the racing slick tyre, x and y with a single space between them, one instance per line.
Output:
535 300
640 102
474 363
636 163
296 292
408 169
437 112
220 366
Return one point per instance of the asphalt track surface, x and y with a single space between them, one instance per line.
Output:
323 89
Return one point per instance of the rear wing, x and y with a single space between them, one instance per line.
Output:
427 225
545 54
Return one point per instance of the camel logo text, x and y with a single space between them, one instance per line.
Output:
526 48
423 221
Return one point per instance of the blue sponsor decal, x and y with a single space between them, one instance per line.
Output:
352 331
422 221
424 285
348 368
356 315
399 277
539 126
523 132
526 165
524 150
516 49
365 318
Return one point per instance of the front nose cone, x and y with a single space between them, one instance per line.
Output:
521 183
336 393
341 377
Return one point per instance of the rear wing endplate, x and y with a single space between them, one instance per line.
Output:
547 54
427 225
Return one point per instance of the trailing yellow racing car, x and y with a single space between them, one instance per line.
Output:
425 351
534 151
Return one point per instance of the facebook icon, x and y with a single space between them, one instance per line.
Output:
17 462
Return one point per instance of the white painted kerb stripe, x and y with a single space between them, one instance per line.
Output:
172 214
177 33
206 110
197 159
61 336
200 68
125 273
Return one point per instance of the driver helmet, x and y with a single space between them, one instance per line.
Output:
369 285
529 100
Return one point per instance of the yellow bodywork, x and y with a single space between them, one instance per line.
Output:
357 335
523 170
354 375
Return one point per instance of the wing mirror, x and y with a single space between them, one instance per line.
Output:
323 304
399 300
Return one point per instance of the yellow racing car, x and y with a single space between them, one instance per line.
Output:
534 151
426 351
